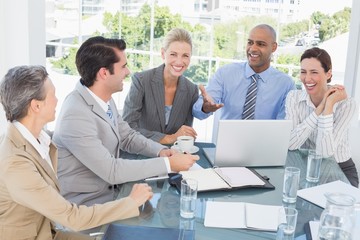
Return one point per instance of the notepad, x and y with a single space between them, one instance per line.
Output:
241 215
226 178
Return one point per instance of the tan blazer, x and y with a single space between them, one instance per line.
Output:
30 199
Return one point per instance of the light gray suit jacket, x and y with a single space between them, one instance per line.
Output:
144 107
89 146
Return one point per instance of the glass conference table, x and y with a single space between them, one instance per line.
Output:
163 210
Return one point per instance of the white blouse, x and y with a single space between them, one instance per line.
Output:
327 133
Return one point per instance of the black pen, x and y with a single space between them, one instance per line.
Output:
154 178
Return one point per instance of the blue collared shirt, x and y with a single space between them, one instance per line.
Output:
229 86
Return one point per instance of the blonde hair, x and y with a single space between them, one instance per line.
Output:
177 35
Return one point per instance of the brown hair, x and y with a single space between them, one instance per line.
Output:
95 53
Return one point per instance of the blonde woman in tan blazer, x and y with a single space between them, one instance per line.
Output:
30 202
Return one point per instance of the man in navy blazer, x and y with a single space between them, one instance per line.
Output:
90 132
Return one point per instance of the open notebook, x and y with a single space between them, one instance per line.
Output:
226 178
241 215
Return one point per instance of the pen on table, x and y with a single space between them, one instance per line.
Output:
94 234
154 178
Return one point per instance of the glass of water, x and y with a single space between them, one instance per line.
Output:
287 219
188 198
291 184
313 166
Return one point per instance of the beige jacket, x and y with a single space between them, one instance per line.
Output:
30 199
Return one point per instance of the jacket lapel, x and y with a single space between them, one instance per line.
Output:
158 91
95 108
21 142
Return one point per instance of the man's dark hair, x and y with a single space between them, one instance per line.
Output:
95 53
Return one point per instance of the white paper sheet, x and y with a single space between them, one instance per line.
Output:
223 178
239 176
262 217
225 215
207 179
314 229
316 194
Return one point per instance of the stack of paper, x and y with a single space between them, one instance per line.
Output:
241 215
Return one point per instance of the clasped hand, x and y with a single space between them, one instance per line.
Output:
334 94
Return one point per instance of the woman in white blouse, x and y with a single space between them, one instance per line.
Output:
321 113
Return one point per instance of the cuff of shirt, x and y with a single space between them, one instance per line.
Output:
197 111
312 120
325 122
167 164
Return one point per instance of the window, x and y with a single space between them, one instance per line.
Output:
219 31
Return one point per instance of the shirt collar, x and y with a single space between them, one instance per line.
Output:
44 139
304 96
249 72
102 104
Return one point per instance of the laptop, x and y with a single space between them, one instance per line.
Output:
250 143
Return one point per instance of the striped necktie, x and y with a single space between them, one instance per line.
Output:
109 113
250 100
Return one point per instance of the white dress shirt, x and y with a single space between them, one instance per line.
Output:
327 133
42 145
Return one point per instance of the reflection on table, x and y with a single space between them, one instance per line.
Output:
163 209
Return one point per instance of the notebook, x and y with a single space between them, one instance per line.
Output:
250 143
223 178
241 215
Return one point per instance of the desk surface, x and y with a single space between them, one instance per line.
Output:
163 210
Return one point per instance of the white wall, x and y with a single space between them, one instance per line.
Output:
22 40
353 54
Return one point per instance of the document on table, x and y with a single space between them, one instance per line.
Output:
314 228
316 194
226 178
241 215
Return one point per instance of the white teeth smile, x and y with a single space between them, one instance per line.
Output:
310 84
177 68
253 55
